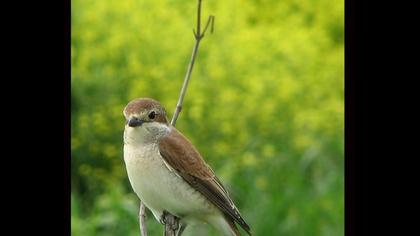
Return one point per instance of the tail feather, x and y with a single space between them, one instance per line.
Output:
233 227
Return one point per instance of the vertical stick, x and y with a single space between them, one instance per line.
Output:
198 37
172 222
185 84
142 217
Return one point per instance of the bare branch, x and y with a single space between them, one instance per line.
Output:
199 17
210 21
171 221
185 84
212 24
142 218
198 37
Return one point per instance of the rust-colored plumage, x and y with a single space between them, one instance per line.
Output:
146 104
181 155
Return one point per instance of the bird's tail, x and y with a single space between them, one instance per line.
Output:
233 228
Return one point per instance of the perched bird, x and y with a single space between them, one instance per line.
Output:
168 174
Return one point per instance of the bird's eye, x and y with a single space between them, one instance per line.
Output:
152 115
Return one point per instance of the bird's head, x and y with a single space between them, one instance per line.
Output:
145 119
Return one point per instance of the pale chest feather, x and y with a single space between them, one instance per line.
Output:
145 168
159 187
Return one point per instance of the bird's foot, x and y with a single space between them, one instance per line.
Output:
162 218
169 220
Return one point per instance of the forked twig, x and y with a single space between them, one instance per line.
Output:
199 35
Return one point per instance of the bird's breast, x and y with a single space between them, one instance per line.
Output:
159 187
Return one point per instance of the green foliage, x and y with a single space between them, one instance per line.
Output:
265 107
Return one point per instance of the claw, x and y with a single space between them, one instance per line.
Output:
162 218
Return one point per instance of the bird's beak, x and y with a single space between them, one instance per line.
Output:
134 122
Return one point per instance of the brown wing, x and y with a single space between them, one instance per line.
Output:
181 155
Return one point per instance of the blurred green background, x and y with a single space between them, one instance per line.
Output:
265 107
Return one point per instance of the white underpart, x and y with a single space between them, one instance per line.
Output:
158 186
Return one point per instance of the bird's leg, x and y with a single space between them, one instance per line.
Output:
171 223
181 229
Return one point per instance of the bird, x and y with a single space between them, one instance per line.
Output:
169 175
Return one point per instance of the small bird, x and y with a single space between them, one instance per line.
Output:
168 174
